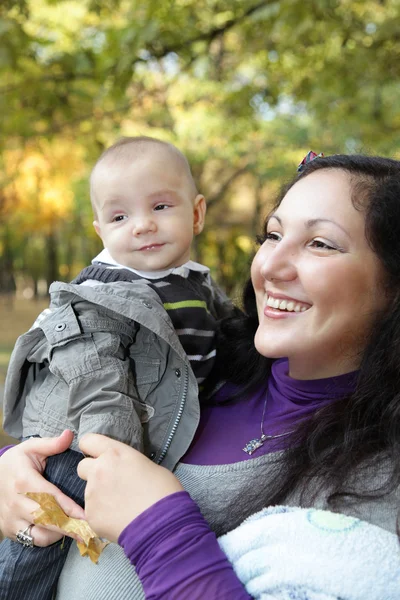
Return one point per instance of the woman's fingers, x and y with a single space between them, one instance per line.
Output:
21 470
97 446
85 467
23 508
94 444
31 480
19 511
44 537
41 448
121 483
41 537
38 484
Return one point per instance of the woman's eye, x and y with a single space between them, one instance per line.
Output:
161 207
273 236
321 245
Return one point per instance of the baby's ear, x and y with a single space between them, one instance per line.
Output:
97 228
199 213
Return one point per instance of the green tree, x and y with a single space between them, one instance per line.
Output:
244 88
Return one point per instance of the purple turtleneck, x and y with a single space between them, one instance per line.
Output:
224 429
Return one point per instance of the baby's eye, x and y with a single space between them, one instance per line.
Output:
118 218
161 207
321 245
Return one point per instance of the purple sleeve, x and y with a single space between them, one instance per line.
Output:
176 555
3 450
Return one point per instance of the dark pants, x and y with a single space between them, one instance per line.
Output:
32 573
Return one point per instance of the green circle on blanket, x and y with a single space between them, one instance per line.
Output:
328 521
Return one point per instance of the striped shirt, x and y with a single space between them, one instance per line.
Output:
187 296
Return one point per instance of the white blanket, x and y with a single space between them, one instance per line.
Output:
285 553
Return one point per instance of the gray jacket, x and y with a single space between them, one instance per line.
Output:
113 349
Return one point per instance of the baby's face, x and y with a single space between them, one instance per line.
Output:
147 215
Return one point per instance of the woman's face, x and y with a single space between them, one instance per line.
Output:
318 284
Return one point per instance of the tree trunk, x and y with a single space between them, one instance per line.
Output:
7 278
52 258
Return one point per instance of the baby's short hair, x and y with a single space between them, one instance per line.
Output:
126 149
136 145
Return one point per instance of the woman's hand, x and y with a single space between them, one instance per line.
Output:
121 484
21 471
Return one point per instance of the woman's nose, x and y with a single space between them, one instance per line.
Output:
277 263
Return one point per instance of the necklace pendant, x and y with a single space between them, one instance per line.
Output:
253 445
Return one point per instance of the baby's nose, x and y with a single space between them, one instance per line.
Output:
143 225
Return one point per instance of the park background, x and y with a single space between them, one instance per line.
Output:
243 87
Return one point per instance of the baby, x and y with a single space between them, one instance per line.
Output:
123 348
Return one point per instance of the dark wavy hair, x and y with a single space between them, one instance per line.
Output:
362 429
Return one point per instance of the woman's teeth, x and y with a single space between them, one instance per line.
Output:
288 305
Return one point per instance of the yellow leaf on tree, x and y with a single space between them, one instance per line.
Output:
51 513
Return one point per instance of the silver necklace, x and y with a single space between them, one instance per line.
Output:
256 443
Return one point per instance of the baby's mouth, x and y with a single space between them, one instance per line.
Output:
150 247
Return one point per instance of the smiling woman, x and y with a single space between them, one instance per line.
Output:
318 283
305 427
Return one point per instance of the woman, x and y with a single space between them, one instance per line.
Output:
318 426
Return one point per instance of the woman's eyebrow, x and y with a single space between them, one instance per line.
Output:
274 217
312 222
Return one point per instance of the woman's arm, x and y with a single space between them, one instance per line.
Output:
141 505
21 469
5 448
176 555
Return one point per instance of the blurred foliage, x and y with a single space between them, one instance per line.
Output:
243 87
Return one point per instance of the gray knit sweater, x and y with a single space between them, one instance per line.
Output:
222 493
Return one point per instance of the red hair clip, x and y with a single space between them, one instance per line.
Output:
308 158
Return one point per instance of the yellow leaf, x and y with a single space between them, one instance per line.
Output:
51 513
93 549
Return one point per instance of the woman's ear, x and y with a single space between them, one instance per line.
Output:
199 213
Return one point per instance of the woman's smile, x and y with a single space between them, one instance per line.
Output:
283 303
318 283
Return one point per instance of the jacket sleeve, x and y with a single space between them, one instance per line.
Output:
90 382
